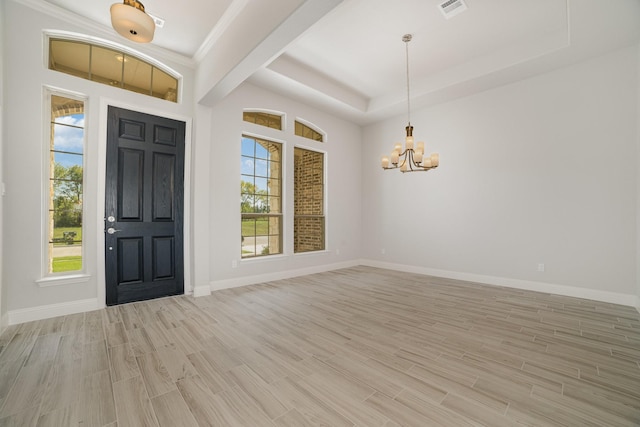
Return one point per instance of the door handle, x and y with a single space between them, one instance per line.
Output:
112 230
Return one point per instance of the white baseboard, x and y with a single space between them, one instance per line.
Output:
550 288
52 310
268 277
62 309
201 291
4 322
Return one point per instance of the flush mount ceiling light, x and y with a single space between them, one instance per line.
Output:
410 160
130 20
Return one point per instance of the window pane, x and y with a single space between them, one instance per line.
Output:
246 165
274 241
106 66
262 168
261 186
67 111
309 235
68 138
248 147
307 132
261 236
137 75
274 170
247 202
248 237
261 151
274 187
263 119
69 57
165 86
274 205
248 184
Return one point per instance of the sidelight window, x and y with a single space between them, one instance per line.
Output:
65 184
261 197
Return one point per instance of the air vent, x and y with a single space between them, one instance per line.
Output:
451 8
159 21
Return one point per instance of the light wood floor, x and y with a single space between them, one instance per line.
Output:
359 346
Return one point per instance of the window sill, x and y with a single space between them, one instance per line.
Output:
63 280
264 258
309 253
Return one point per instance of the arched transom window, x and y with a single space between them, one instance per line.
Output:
112 67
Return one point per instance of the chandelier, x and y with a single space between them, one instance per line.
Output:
131 21
410 159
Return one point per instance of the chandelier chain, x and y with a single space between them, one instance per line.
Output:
406 43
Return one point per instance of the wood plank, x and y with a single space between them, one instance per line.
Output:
97 405
132 404
155 374
172 411
28 389
123 363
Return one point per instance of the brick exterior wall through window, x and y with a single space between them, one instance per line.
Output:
309 226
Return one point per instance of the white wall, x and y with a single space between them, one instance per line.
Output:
540 171
26 74
638 190
343 187
3 299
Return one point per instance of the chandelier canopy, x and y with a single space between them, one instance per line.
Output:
131 21
410 159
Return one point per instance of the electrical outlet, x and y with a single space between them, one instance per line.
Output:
234 264
541 267
383 251
337 251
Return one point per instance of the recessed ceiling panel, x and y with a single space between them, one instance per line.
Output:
360 43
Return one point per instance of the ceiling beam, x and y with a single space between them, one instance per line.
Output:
260 34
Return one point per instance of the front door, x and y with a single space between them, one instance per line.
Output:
143 206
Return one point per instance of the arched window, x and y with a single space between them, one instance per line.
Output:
306 131
268 119
111 66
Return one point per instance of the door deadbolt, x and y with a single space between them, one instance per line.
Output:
111 218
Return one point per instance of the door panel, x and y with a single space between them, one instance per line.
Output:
143 206
163 257
130 179
163 177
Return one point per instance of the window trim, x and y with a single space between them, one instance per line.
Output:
66 277
83 38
